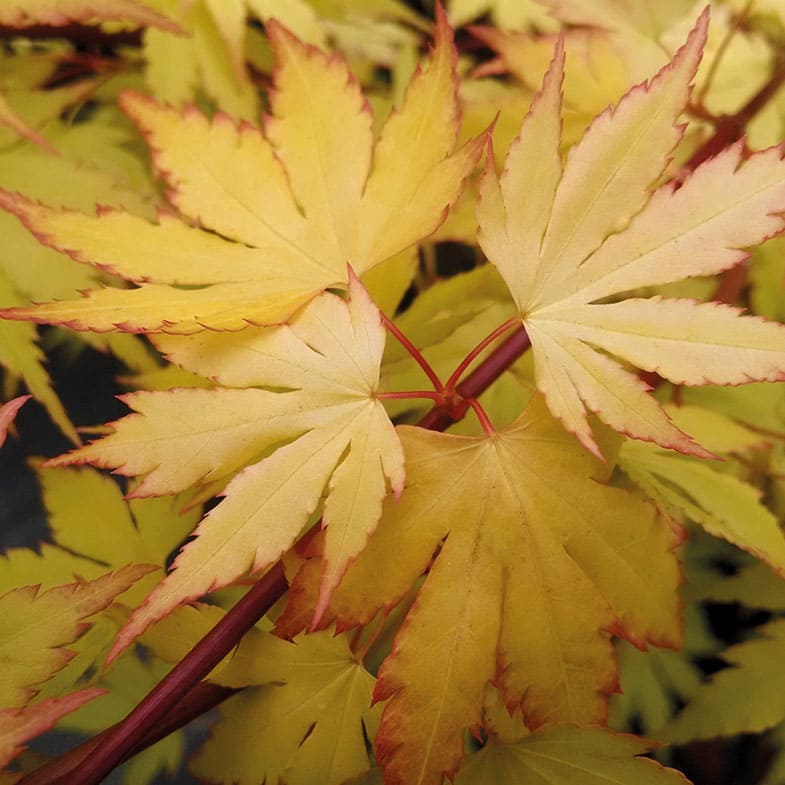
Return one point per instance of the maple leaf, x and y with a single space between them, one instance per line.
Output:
283 212
563 755
31 271
64 12
37 627
327 366
208 61
143 531
738 699
724 505
539 563
21 724
313 713
591 230
7 413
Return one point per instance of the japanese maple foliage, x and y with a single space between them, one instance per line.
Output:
458 605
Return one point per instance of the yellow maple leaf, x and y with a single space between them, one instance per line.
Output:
537 563
335 432
38 626
283 211
590 230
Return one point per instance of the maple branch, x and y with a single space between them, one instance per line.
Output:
76 33
482 377
730 128
485 421
203 697
121 740
181 688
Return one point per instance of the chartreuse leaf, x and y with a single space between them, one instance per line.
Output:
758 405
724 505
565 755
49 566
651 685
282 212
30 271
19 725
25 13
767 278
22 358
7 413
537 562
107 532
591 230
740 698
338 437
306 726
507 14
755 586
111 530
38 626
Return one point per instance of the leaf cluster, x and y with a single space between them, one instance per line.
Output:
453 385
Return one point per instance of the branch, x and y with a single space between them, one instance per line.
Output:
76 33
730 128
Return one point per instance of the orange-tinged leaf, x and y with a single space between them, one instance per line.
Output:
602 235
37 627
538 561
341 444
7 413
285 210
62 12
19 725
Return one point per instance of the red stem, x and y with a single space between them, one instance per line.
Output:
482 377
437 397
487 425
730 128
414 352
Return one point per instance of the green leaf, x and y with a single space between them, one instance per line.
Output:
564 755
310 730
740 698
